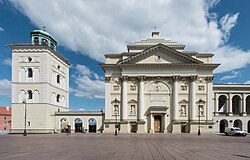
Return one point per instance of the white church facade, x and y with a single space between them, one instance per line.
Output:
154 87
157 86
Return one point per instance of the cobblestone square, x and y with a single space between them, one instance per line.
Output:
123 147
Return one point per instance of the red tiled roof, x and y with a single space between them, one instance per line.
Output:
5 111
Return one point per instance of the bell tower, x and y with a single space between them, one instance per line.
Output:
40 84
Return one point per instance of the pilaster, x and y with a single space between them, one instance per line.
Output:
209 103
124 98
141 108
192 106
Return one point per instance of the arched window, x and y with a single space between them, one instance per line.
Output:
30 72
44 42
58 78
36 41
52 46
29 94
58 98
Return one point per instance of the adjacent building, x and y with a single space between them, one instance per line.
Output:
5 119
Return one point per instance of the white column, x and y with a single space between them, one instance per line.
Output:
216 104
192 106
209 98
230 109
175 107
244 111
151 123
108 108
124 98
165 123
141 108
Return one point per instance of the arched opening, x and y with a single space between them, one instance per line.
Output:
30 96
52 46
157 124
92 125
248 127
238 123
78 125
248 104
223 125
36 41
64 125
236 104
44 42
58 98
58 78
30 72
222 104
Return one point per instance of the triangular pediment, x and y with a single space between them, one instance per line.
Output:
160 54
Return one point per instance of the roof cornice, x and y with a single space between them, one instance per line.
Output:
160 47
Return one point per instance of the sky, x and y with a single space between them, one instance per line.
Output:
86 30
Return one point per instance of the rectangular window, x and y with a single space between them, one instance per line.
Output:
183 88
201 88
116 88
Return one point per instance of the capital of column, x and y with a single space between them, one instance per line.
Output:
124 78
176 78
193 78
141 78
210 79
107 79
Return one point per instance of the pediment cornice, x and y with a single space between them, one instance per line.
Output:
160 47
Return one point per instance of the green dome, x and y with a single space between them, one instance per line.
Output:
41 37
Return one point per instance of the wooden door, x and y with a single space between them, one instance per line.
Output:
157 124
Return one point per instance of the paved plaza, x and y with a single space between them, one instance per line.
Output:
123 147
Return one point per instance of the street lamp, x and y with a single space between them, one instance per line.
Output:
199 126
25 116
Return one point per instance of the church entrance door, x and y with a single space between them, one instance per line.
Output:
157 124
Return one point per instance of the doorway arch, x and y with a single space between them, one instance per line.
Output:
64 125
248 104
222 104
238 123
248 127
236 104
78 125
92 125
223 125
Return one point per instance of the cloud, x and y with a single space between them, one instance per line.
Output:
88 83
231 58
7 61
5 87
247 82
227 22
1 29
233 75
96 27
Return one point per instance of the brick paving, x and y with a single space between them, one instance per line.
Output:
124 147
